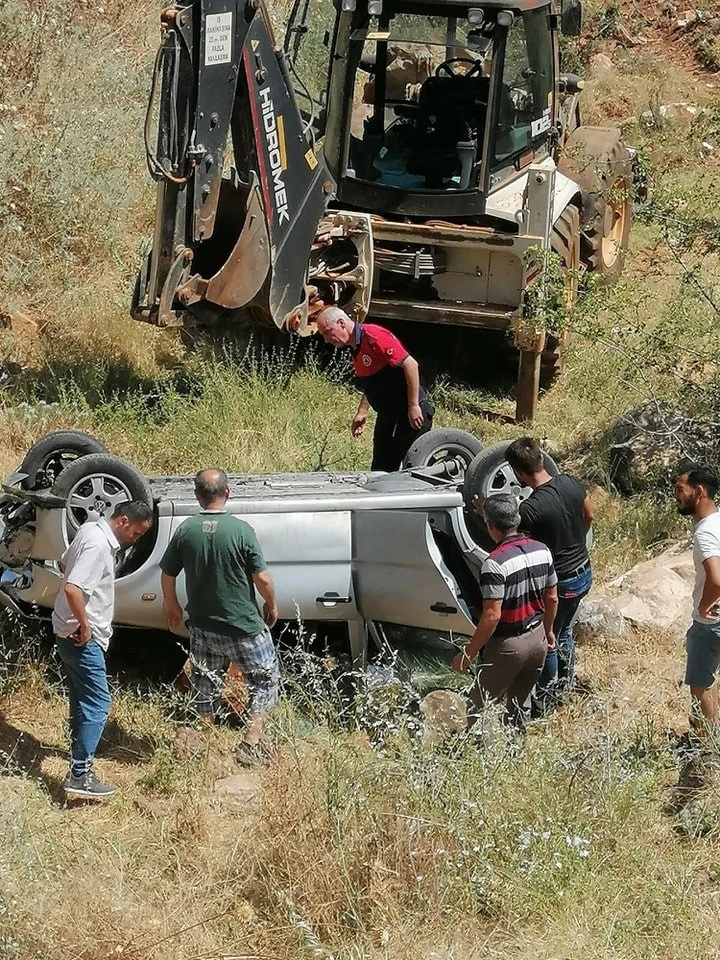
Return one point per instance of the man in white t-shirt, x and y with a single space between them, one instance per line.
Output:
695 491
82 620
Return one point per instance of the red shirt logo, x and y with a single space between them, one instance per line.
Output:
377 349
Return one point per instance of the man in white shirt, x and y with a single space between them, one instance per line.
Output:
695 491
82 621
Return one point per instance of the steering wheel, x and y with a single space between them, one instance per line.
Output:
446 67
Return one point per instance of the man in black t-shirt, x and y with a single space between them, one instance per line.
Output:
558 513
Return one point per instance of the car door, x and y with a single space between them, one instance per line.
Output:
400 574
138 596
308 554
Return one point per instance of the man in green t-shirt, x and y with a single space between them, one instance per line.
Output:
223 563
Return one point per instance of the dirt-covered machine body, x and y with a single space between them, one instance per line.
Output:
402 158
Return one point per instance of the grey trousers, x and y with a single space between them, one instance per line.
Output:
509 670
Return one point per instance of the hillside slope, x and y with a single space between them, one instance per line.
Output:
570 848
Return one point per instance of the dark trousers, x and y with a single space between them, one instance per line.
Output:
394 436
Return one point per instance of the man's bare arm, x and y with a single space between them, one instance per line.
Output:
487 624
711 591
76 601
412 380
550 598
360 419
588 513
264 584
173 610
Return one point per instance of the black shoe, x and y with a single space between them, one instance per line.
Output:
87 787
252 755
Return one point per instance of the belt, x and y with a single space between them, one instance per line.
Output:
519 631
576 572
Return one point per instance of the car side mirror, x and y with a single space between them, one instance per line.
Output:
571 18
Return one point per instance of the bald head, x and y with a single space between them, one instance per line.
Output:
335 326
212 487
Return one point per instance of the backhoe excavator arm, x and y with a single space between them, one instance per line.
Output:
240 190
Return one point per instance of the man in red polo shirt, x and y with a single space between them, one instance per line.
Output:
390 382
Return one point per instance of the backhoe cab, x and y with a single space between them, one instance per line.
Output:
402 158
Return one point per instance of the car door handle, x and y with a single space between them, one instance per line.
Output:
443 608
330 599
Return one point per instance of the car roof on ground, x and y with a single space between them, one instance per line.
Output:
321 490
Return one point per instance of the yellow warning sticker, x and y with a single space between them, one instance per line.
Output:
254 44
312 160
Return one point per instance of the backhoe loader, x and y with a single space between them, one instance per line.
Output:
404 159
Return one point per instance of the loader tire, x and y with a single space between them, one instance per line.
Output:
605 238
565 241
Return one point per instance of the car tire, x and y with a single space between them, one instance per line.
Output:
488 474
95 485
444 443
46 459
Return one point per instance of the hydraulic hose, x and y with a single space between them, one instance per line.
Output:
158 171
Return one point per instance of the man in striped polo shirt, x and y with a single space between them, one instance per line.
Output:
515 631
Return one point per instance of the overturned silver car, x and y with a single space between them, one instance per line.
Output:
358 549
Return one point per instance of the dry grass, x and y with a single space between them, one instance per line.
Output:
400 852
563 850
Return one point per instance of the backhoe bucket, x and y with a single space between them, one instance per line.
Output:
225 242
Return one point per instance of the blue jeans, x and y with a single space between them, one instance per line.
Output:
89 698
559 670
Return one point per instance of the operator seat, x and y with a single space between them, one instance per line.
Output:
450 110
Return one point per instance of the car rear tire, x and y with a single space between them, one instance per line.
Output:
488 474
94 485
444 443
46 459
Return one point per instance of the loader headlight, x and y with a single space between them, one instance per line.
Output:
506 18
348 6
375 8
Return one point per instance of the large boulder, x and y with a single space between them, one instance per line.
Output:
655 594
650 441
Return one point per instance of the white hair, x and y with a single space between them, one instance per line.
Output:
331 316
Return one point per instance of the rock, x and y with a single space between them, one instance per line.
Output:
445 714
658 592
677 112
648 118
649 442
686 19
241 787
189 743
707 148
600 64
655 594
598 617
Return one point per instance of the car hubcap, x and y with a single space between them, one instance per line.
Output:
450 451
503 480
92 497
